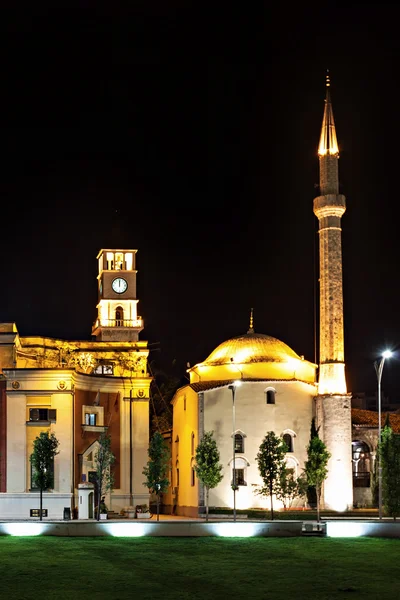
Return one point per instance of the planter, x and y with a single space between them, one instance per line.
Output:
103 516
143 515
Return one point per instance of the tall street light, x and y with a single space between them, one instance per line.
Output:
233 387
379 369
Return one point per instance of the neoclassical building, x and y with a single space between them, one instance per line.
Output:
279 390
77 390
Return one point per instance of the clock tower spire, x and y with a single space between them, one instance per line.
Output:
117 318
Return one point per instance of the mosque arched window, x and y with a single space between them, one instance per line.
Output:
292 464
270 396
288 439
239 443
239 472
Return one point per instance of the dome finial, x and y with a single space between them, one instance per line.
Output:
251 329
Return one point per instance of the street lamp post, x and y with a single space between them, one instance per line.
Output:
233 389
379 369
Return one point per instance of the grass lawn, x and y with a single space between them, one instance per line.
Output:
163 568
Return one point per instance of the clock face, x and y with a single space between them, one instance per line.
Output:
119 285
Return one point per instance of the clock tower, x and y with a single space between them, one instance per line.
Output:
117 319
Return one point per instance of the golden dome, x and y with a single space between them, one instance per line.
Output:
251 348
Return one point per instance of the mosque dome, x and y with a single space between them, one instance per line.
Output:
251 348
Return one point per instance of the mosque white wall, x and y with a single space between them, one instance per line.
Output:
291 413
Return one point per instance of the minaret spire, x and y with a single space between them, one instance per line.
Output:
328 140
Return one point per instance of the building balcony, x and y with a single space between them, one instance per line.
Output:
94 428
123 323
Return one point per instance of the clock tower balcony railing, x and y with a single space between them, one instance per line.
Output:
119 323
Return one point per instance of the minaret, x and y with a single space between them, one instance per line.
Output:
333 402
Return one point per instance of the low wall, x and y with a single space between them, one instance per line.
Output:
18 506
139 529
386 529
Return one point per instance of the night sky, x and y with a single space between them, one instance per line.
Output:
191 135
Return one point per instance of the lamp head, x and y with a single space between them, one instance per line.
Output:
387 354
235 384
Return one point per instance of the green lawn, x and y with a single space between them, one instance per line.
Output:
204 568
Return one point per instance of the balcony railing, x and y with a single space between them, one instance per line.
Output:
362 480
119 323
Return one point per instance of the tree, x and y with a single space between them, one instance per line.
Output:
315 467
311 492
270 460
162 390
375 483
42 461
104 478
288 486
156 471
389 452
208 468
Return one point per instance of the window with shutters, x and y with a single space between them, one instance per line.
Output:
42 414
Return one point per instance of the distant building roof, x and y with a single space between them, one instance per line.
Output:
369 419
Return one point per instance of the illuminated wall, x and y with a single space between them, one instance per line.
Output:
185 438
292 412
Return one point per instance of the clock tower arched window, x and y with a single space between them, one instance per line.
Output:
119 316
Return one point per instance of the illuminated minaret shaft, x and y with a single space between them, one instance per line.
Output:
329 208
333 404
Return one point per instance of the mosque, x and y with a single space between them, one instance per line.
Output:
254 383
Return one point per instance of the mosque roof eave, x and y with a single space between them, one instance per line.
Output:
204 386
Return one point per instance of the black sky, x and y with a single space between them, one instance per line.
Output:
191 135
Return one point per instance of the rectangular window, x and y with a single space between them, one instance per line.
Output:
239 477
193 477
90 418
42 414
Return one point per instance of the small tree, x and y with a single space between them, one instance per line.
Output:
389 451
42 460
311 492
270 460
156 471
104 478
288 487
208 468
315 467
375 483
